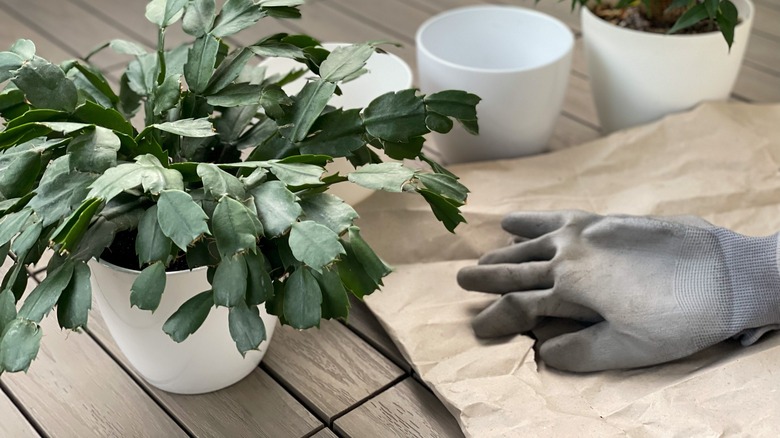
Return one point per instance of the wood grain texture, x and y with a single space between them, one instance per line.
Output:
767 21
75 389
330 369
406 410
364 322
256 406
325 433
69 27
11 29
12 422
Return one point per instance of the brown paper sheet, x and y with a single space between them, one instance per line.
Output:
719 161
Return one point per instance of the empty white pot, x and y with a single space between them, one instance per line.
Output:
638 77
206 361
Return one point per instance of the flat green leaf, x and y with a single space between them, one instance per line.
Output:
180 218
308 106
279 3
397 116
335 303
200 63
233 121
12 224
401 151
94 151
246 327
260 287
46 86
443 208
124 47
235 227
228 71
276 207
108 118
336 134
314 244
7 309
459 105
76 300
19 345
163 13
236 95
18 173
345 61
151 244
27 239
230 281
727 19
43 298
220 183
444 185
236 16
146 172
372 264
189 317
297 174
390 177
353 274
168 94
69 234
147 289
60 191
9 63
329 210
302 300
199 17
141 76
196 128
24 48
692 16
438 123
129 100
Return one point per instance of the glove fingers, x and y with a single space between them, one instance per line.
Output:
595 348
507 277
531 250
521 312
533 224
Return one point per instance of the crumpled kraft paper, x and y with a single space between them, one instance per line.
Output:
719 161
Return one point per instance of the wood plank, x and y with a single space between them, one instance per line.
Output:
68 26
405 410
757 86
764 52
578 102
330 369
11 29
325 433
330 25
767 21
255 406
12 422
558 9
74 388
364 322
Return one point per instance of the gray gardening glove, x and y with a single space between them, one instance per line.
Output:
654 289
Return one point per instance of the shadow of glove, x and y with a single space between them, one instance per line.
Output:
655 289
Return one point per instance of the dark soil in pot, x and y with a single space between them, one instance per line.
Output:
635 18
122 253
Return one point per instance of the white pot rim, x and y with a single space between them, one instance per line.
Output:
747 16
468 9
134 272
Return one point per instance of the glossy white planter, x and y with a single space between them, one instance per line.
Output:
206 361
639 77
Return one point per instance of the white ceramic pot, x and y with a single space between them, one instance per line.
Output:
206 361
639 77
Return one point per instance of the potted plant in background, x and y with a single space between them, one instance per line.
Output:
168 218
650 58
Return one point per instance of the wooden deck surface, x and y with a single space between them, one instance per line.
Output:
344 380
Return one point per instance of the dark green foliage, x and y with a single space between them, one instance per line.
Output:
74 172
